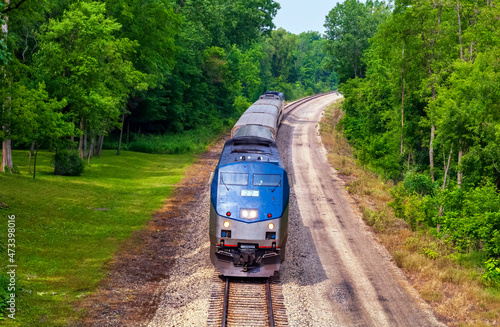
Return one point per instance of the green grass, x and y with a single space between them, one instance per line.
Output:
62 242
192 141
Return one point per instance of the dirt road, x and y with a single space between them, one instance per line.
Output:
336 273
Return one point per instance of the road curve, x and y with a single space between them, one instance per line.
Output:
336 273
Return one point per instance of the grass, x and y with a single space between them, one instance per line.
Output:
192 141
67 228
450 282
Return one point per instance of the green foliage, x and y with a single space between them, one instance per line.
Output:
83 62
153 26
413 201
429 253
428 114
472 219
68 163
418 183
491 276
4 54
33 116
348 27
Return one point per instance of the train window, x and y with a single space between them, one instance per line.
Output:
234 179
266 180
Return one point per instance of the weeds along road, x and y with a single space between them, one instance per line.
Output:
336 274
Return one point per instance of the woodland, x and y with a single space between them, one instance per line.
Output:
164 76
420 81
422 109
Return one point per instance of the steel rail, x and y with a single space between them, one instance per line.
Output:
294 105
226 303
269 303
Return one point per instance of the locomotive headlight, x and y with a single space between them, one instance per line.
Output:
249 213
270 226
226 224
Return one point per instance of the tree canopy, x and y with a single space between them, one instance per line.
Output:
150 67
428 108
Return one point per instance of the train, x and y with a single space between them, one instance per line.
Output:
249 195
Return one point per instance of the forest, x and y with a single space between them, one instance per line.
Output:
422 109
156 76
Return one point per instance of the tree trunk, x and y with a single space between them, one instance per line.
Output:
85 145
460 173
447 167
80 143
402 97
34 164
6 144
99 145
431 146
91 149
460 32
7 165
121 134
32 151
433 128
431 152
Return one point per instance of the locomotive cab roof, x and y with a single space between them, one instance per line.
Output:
250 149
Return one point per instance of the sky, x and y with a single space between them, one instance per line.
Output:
297 16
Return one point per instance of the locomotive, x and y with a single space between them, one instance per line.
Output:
249 195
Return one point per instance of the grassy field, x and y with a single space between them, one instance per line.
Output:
450 282
67 228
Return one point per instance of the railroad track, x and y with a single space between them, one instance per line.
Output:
247 302
291 106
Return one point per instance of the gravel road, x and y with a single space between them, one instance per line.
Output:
336 273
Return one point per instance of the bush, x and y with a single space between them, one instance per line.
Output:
418 183
475 222
68 163
415 209
491 276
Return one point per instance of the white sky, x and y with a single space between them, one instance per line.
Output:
297 16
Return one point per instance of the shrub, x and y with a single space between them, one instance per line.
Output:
475 222
68 163
491 276
418 183
416 210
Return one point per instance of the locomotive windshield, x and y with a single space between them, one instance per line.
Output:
266 180
234 179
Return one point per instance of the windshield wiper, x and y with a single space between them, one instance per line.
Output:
222 181
279 183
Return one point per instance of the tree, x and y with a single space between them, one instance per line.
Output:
349 25
83 62
35 118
